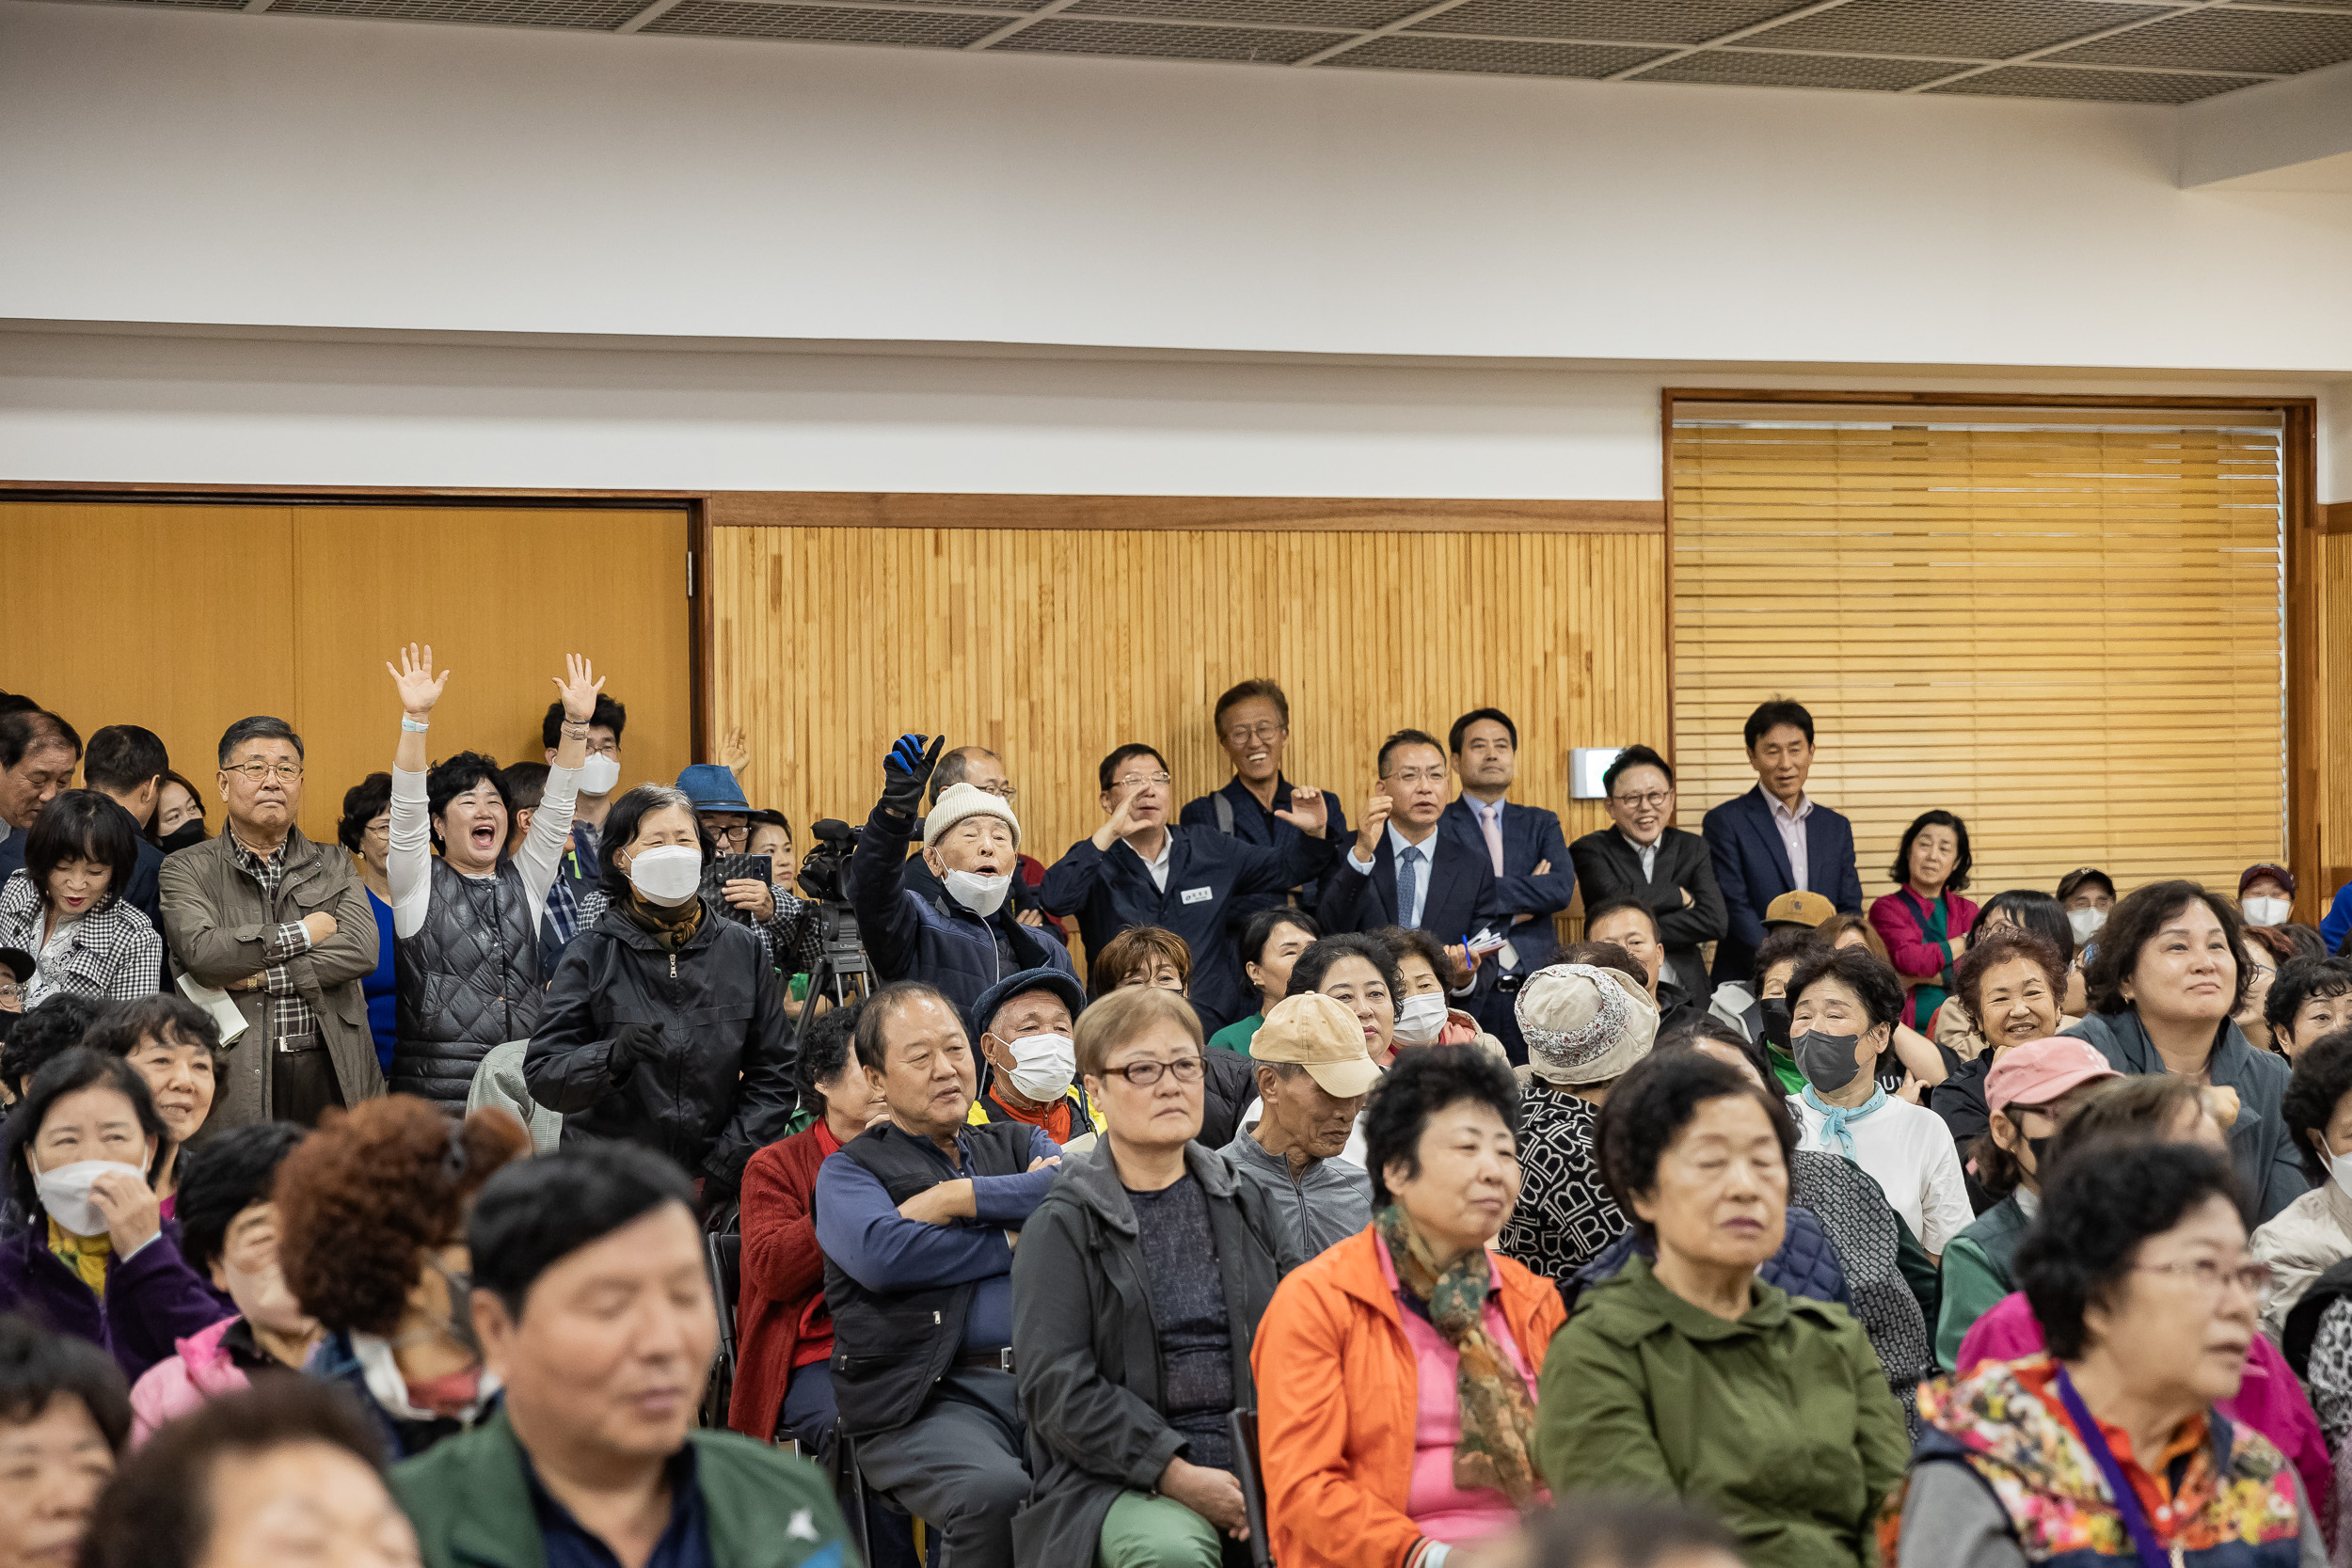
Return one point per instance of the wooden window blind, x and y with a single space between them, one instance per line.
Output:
2065 625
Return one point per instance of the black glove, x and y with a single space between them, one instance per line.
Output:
906 772
635 1043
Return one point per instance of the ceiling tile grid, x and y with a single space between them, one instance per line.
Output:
2157 52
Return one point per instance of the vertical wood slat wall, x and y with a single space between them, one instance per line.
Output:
2063 626
1052 646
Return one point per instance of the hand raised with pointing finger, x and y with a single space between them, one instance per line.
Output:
1375 823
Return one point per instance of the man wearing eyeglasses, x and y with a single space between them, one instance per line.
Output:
282 926
1663 868
1253 725
1402 871
1137 869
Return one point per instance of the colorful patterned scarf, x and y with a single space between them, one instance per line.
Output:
1498 1414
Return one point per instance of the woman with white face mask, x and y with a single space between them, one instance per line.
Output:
963 936
98 1260
229 1230
665 1024
1426 1014
466 923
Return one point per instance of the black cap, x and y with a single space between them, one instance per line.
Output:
2081 874
19 961
1064 986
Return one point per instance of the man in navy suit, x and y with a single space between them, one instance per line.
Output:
1402 871
1535 876
1774 839
38 751
1138 870
1253 725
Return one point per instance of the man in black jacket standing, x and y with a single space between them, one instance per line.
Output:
919 1217
1665 870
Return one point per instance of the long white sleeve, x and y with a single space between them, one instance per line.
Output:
408 865
542 854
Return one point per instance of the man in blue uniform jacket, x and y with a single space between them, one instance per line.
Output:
1137 870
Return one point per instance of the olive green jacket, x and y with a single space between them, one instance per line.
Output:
470 1503
1779 1423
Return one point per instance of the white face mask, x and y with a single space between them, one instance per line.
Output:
1043 1065
2339 1168
598 774
667 875
1419 1019
65 1193
2085 923
982 895
2267 911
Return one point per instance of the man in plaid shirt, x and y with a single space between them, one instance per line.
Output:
599 779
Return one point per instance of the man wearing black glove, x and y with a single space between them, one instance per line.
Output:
635 1043
964 938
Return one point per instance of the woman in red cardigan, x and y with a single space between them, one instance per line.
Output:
783 1384
1925 922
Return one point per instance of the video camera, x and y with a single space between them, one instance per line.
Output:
822 867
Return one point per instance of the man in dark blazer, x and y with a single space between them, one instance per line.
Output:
1402 871
1533 880
1753 837
1665 869
1138 870
1253 725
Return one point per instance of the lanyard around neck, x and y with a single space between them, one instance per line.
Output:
2126 1500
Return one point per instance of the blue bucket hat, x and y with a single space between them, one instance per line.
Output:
712 787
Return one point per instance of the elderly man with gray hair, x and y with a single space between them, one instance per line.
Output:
1312 1080
1585 1028
284 928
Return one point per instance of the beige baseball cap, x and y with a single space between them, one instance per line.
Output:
1321 1035
1798 909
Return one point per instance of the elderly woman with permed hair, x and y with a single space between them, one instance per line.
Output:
371 1241
1689 1375
1396 1372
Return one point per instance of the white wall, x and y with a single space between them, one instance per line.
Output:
166 166
130 409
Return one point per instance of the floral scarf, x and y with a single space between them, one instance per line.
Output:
1497 1414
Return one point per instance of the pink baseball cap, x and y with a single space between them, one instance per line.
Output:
2039 1071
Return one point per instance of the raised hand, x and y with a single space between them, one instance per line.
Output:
906 770
735 751
413 679
129 1207
578 687
1122 821
1309 811
1375 822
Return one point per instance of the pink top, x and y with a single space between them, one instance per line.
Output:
1443 1510
1907 946
2269 1400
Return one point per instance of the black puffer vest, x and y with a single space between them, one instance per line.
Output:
468 980
889 1350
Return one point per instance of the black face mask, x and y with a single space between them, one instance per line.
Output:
1775 1021
2040 1147
186 833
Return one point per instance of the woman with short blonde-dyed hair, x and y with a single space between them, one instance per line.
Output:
1143 956
1125 1014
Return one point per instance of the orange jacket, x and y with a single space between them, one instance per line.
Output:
1337 1403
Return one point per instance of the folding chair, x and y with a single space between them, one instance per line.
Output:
1241 1428
723 1253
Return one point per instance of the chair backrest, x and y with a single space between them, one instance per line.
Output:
1241 1428
727 1282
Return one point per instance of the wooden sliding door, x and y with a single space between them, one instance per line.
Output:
185 618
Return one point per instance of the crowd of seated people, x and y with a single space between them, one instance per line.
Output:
1251 1183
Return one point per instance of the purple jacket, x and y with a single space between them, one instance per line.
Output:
152 1301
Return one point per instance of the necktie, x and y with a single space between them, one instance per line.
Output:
1407 878
1491 821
